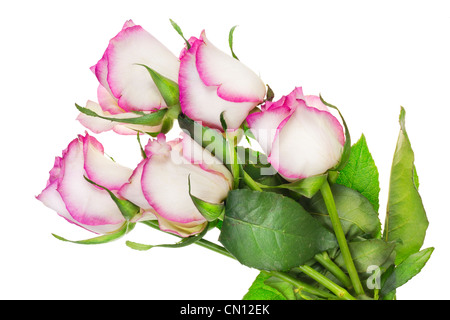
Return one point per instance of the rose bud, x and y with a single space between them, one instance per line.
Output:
126 87
212 82
299 135
73 197
160 183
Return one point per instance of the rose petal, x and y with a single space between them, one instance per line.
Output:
86 203
197 155
101 72
98 125
51 198
314 101
101 169
200 102
264 125
235 81
181 229
107 102
130 83
165 186
308 143
132 191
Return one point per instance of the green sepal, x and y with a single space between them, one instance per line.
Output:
169 89
230 42
270 94
178 30
127 227
210 211
307 187
171 115
182 243
128 209
143 154
347 145
146 119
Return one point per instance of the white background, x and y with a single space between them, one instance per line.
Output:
366 57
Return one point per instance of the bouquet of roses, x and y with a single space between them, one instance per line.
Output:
301 206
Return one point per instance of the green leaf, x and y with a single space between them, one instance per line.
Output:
307 187
286 289
178 30
230 41
261 291
367 253
406 220
268 231
360 173
182 243
406 270
127 227
210 211
128 209
169 89
356 213
150 119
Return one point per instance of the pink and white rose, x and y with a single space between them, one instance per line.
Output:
77 200
212 82
160 183
125 86
299 135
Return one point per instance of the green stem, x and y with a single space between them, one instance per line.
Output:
329 264
327 283
250 182
234 165
376 293
300 285
202 242
342 241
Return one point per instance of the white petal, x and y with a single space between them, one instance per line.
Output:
308 144
86 203
264 125
132 191
103 170
165 186
201 102
235 80
130 83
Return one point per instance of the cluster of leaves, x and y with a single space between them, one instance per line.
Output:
385 259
